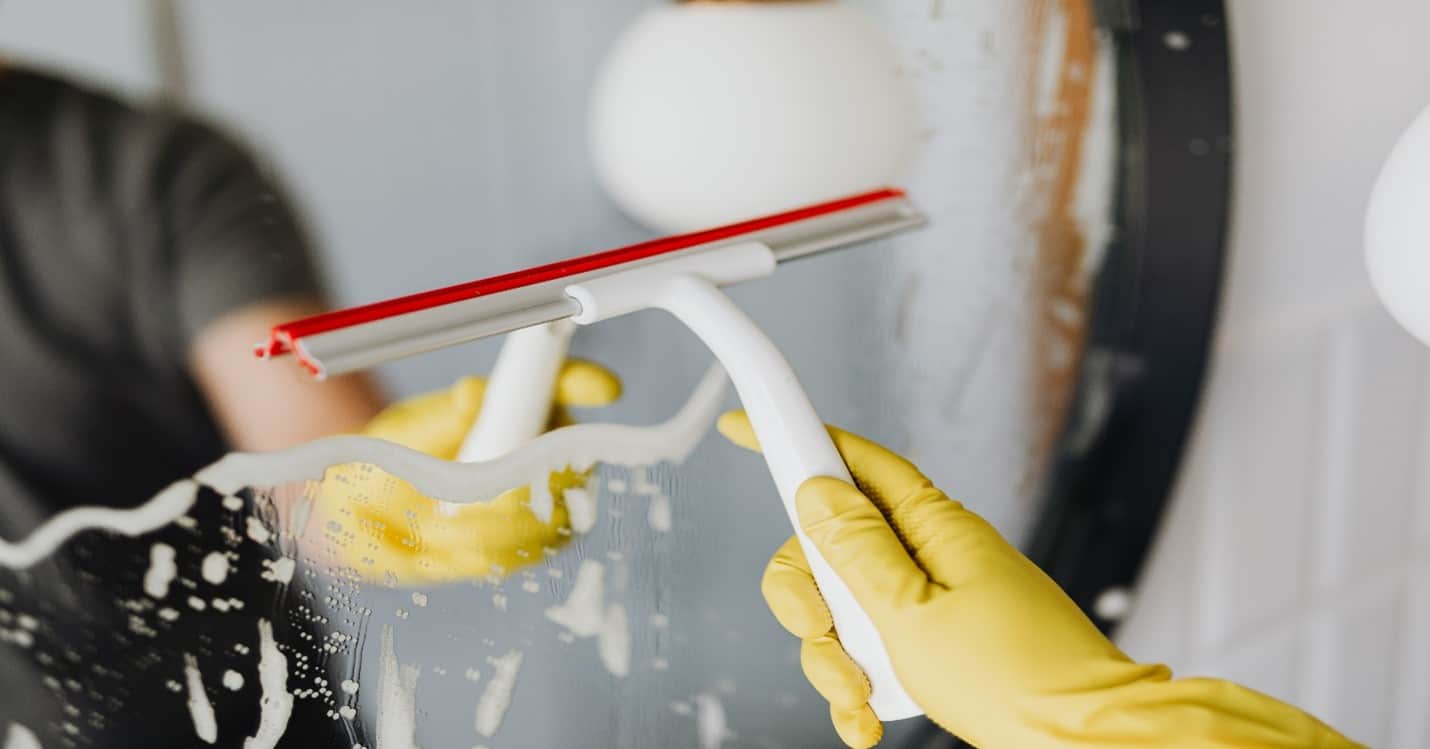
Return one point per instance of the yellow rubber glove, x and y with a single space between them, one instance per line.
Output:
400 537
992 649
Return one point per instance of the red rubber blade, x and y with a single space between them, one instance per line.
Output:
283 338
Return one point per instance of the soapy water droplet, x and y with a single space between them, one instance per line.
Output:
162 570
232 680
658 515
257 531
1176 40
237 569
215 567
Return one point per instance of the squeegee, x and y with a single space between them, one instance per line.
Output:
682 275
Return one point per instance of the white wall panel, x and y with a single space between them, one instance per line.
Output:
1312 497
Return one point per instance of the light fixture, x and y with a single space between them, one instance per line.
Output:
1397 230
707 112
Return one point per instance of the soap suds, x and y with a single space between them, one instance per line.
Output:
349 686
278 570
20 737
200 709
162 570
396 711
614 643
585 614
496 697
256 529
162 509
276 704
641 483
539 499
580 509
710 722
419 599
232 680
215 567
658 516
578 446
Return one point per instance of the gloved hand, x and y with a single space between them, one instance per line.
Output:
400 537
989 646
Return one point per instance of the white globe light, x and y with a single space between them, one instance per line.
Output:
1397 230
706 113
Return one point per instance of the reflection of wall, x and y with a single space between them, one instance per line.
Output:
1297 558
105 42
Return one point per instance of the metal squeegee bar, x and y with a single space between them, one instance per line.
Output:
360 337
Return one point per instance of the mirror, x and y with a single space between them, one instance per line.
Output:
323 599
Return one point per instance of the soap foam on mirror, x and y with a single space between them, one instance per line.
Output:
197 575
580 446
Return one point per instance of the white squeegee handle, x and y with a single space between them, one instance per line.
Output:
516 402
795 443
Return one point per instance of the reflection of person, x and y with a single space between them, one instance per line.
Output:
989 646
139 251
142 254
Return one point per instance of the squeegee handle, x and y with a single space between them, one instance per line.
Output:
794 441
516 402
797 448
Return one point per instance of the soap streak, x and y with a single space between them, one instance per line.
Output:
578 446
200 709
164 508
496 697
20 737
276 704
397 706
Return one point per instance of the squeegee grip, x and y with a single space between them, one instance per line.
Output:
797 447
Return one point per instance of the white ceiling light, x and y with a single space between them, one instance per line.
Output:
1397 230
710 112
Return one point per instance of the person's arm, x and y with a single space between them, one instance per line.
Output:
989 646
238 263
260 405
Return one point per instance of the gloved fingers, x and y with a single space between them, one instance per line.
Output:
953 544
859 728
925 519
560 417
434 423
883 475
856 540
833 673
586 384
736 427
790 592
